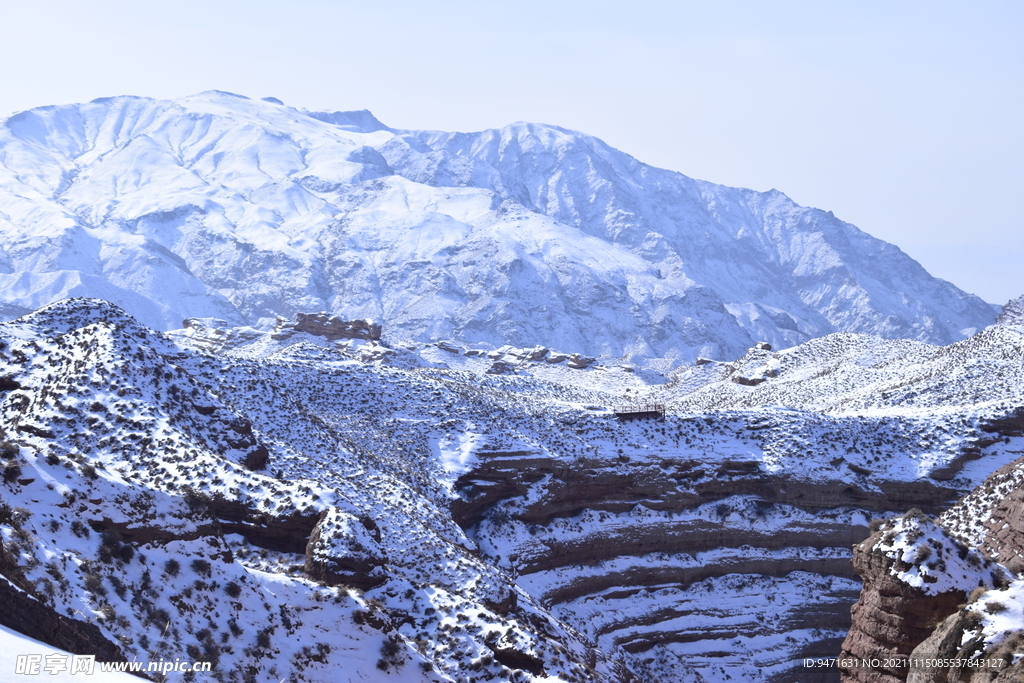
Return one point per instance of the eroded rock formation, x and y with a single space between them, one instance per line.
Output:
1012 313
345 549
904 597
600 536
969 632
332 327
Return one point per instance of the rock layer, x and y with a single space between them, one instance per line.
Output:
607 533
333 327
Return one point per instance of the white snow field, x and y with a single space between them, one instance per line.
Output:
13 644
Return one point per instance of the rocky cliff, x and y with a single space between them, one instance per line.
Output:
942 620
914 576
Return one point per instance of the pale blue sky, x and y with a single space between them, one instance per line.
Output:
902 117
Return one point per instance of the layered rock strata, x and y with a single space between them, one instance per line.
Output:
906 594
662 559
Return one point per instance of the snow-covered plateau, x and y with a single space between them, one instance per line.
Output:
296 505
216 205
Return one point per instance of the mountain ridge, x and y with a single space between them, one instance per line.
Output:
216 205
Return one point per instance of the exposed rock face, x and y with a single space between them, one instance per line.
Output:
506 651
254 454
1012 313
945 643
500 367
1004 531
579 362
891 617
895 619
992 518
212 518
333 327
510 356
957 638
26 614
604 536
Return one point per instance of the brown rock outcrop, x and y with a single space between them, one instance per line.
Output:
601 484
325 325
508 654
891 617
955 641
915 576
216 516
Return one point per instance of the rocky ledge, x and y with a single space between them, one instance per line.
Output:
332 327
943 598
914 576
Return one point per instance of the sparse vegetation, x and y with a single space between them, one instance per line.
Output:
391 654
11 470
995 607
200 566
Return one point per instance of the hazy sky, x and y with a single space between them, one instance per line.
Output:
903 117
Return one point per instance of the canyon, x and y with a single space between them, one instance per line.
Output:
470 525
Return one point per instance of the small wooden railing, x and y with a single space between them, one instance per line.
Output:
640 411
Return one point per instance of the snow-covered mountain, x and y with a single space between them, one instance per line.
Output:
220 206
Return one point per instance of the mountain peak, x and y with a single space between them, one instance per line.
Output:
217 205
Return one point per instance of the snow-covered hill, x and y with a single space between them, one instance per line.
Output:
220 206
284 505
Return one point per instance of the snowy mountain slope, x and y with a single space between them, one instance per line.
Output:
128 502
754 248
671 563
220 206
468 525
857 374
